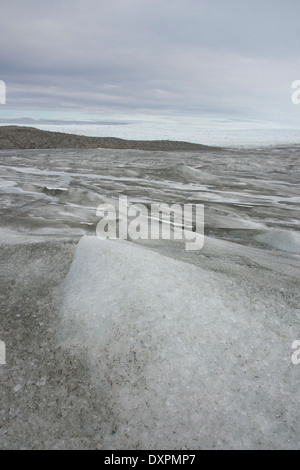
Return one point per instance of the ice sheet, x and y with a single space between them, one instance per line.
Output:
155 346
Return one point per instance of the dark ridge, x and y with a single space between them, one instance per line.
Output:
18 137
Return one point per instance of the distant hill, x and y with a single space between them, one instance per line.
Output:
18 137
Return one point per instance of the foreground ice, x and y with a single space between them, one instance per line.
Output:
152 346
183 356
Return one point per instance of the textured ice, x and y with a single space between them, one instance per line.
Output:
185 358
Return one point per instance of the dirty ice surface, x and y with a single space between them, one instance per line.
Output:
114 344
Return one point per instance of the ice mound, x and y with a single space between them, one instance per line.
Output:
181 355
282 240
196 175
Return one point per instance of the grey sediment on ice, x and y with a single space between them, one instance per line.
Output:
18 137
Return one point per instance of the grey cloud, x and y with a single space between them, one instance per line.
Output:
177 56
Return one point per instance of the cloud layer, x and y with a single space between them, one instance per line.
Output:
228 59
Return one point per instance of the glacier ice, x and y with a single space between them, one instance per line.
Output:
185 358
150 346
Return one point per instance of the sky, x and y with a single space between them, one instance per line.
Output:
230 61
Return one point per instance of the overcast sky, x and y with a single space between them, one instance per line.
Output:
230 60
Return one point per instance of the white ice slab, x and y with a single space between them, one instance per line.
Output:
182 356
